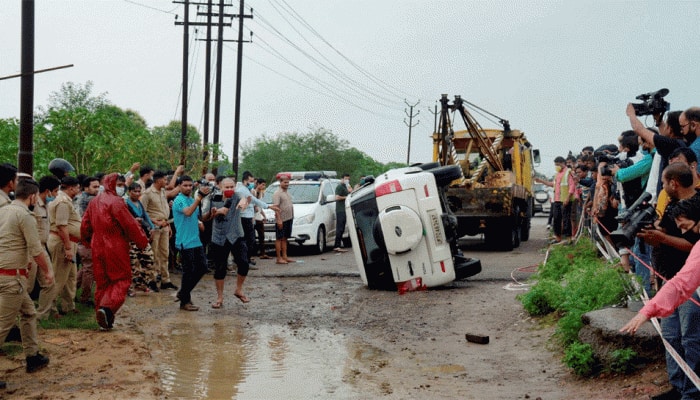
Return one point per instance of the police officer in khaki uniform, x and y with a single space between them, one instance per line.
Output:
8 179
48 189
155 202
64 235
19 240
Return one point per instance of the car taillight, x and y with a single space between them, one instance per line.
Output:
387 188
427 193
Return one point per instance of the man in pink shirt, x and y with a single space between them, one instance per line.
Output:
564 189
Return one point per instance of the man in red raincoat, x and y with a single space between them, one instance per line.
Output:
107 228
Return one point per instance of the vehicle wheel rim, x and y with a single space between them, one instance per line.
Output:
321 240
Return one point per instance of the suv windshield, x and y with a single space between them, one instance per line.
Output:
302 193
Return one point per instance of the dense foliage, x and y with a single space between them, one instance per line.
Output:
318 149
95 135
572 282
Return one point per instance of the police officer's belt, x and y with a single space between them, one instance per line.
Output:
72 238
13 272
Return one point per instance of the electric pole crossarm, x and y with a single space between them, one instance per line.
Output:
203 24
410 125
195 3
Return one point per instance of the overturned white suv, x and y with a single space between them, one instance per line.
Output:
402 233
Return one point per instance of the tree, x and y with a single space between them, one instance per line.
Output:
317 150
9 140
168 139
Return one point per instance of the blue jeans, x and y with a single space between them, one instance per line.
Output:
682 330
643 251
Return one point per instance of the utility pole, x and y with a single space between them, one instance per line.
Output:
185 55
410 125
25 158
185 83
207 90
435 118
239 70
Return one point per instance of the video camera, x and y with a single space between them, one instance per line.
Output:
610 159
213 189
652 103
640 214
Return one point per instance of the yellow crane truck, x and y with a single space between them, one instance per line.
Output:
494 195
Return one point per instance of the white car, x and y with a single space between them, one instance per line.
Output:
543 198
313 195
402 234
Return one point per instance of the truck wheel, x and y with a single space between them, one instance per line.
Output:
525 230
320 240
515 236
516 226
445 175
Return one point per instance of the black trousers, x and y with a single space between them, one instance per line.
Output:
194 266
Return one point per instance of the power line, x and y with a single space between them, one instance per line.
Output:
338 70
332 96
270 28
387 87
151 7
325 85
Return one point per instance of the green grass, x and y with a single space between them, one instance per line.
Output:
573 282
83 320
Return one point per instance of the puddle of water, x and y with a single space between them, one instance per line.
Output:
226 361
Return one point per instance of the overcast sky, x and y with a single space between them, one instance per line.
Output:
563 72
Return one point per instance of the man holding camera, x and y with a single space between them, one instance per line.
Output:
194 260
670 252
689 121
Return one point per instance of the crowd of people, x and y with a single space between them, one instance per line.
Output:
98 239
650 168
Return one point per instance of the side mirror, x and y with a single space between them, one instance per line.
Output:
536 156
330 198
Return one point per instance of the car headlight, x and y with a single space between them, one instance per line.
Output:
305 220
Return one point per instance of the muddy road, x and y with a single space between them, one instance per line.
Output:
313 331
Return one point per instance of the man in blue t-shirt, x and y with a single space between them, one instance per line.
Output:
194 260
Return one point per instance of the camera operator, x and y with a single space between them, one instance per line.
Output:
666 140
633 180
689 121
671 249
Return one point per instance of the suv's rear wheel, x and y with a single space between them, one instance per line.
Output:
320 240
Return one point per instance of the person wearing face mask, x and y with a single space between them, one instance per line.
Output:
19 241
107 228
120 190
48 189
155 202
341 193
564 189
675 293
64 236
228 238
91 187
670 252
244 192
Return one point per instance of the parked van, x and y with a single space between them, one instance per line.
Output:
313 195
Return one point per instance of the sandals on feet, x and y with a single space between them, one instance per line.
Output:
242 298
217 304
